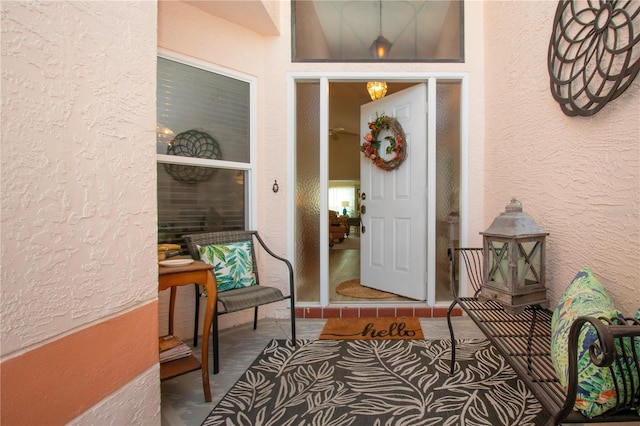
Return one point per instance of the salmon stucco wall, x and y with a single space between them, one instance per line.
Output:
578 177
188 30
78 215
185 29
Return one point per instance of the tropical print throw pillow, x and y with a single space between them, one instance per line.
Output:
586 296
233 266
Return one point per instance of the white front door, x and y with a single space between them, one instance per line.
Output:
394 203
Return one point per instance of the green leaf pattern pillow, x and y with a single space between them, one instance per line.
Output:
585 296
233 266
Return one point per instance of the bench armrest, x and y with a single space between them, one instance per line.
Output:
603 354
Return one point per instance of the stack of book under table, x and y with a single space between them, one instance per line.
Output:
172 348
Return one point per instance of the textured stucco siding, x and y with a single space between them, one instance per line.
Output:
578 177
123 409
187 30
78 217
78 178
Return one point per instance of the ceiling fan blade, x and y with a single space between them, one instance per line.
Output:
335 132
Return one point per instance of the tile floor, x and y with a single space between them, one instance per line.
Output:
182 398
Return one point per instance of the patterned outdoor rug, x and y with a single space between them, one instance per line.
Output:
381 328
378 382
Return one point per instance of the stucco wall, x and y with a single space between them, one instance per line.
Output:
187 30
578 177
78 181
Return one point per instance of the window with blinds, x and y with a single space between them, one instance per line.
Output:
203 119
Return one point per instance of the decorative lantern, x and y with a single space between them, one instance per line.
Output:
514 261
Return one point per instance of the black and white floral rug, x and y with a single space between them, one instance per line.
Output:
378 382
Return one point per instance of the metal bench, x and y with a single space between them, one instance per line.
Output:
524 340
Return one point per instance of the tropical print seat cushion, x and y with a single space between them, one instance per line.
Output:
586 296
233 265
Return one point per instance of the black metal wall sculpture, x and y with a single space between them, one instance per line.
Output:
594 53
197 144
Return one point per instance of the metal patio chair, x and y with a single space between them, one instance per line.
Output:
241 298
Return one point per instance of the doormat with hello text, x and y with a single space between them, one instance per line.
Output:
383 328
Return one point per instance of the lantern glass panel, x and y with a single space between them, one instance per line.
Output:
529 262
498 262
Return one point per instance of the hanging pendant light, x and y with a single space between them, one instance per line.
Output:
381 46
377 89
379 49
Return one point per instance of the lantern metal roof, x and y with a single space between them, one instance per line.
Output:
514 222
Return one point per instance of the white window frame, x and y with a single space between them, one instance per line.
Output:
251 167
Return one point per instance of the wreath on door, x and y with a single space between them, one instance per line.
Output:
397 143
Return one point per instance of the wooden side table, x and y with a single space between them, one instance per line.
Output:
170 277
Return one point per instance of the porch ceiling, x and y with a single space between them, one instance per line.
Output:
349 27
255 15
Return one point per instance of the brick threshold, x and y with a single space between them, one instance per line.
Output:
374 311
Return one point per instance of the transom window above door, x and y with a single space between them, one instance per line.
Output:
377 31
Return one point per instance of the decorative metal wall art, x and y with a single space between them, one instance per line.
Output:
594 53
196 144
